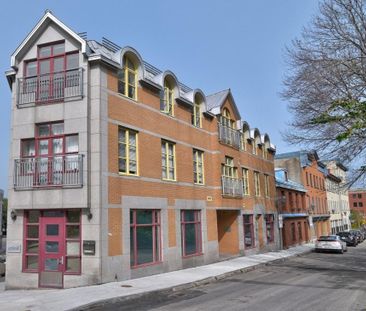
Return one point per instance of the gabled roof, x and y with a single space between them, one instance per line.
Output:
47 17
216 100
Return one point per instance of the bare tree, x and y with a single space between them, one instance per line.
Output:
326 83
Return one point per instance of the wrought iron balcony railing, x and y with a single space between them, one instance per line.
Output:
44 172
50 87
229 136
232 187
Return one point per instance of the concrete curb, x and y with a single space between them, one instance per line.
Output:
188 285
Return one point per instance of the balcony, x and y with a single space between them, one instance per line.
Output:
229 136
59 171
51 87
232 187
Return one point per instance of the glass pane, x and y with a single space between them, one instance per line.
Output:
132 138
189 215
132 243
33 216
73 265
122 135
43 147
51 247
72 232
57 145
72 61
122 150
32 247
190 239
58 64
57 128
43 130
171 173
144 245
73 216
132 153
28 149
131 92
143 217
122 165
59 49
52 230
33 232
44 67
51 264
73 248
31 69
121 87
53 213
72 143
32 262
132 167
45 51
131 78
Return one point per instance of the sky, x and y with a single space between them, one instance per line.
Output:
209 44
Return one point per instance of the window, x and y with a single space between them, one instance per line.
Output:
167 103
73 254
31 241
245 173
226 119
270 227
354 204
228 169
359 195
249 241
354 195
197 116
145 237
257 189
191 232
127 151
127 79
266 185
168 160
307 179
198 168
360 204
299 230
293 232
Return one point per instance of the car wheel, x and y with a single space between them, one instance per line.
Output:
341 251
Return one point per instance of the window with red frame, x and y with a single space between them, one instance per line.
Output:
270 228
249 240
50 73
73 234
191 232
52 147
145 237
31 241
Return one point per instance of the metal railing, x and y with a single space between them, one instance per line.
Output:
57 171
232 187
229 136
50 87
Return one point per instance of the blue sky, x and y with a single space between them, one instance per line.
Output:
209 44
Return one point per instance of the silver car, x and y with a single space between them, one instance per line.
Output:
330 243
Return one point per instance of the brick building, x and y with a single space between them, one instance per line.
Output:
292 209
118 170
357 201
304 167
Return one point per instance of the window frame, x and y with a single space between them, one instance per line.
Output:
266 186
197 115
245 177
129 69
198 167
156 226
168 99
198 232
250 223
127 147
228 168
166 144
257 186
270 222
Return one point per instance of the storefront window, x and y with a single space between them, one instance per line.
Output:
191 232
248 231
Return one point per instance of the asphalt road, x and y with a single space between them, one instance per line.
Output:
315 281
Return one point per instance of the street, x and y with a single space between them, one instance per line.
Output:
315 281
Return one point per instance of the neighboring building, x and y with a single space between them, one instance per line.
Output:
120 171
357 201
337 196
1 215
291 207
305 168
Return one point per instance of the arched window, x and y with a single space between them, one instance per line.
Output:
167 103
197 116
226 119
127 79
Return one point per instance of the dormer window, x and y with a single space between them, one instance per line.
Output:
197 114
226 119
127 79
167 102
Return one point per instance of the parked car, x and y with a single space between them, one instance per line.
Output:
358 234
348 237
331 243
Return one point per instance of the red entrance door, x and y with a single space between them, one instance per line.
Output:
52 249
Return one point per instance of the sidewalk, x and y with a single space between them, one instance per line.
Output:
66 299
